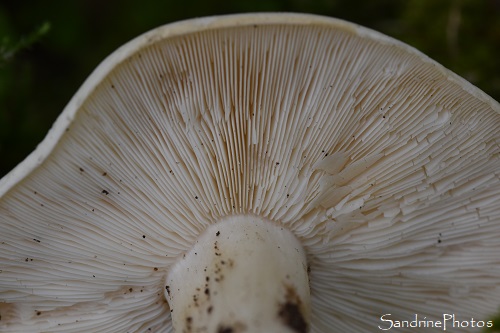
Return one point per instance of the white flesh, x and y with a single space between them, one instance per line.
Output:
244 274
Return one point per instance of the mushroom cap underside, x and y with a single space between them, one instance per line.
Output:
384 164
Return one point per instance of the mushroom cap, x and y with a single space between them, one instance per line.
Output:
384 164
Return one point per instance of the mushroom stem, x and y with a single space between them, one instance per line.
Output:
244 274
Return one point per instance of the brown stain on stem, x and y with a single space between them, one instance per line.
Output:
290 312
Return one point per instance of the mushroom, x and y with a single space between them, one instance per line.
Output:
257 173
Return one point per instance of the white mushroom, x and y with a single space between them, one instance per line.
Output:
204 166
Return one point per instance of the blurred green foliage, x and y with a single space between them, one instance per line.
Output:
40 69
44 69
8 48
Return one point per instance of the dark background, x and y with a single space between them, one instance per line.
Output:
40 70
